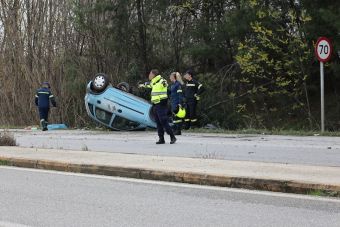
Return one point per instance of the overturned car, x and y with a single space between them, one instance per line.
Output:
115 107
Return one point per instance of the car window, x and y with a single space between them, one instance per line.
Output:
103 116
124 124
91 108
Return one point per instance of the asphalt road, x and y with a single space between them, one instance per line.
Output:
311 150
41 198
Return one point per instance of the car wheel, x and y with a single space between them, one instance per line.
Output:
100 82
124 86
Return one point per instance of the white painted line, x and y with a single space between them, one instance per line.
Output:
11 224
180 185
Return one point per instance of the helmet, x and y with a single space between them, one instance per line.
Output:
190 72
181 112
46 84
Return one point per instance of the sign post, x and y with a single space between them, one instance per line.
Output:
322 86
323 51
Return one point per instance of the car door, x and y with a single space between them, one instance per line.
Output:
103 116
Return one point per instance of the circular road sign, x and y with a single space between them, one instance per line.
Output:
323 49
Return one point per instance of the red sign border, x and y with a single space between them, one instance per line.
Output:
316 49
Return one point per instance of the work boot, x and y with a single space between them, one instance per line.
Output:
161 140
44 125
173 139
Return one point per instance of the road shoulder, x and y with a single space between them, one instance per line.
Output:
276 177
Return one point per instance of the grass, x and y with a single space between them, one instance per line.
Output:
324 193
3 163
10 126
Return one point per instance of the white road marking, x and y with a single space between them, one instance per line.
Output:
180 185
11 224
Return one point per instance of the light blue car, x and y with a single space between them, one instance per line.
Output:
115 108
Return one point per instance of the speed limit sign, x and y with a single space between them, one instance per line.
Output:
323 49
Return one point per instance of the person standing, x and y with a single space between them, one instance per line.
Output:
159 99
176 97
43 97
193 90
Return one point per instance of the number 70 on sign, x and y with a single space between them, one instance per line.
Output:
323 49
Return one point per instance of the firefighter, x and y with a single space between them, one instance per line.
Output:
176 97
159 99
43 97
193 90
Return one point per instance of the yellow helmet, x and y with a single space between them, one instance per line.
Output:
181 112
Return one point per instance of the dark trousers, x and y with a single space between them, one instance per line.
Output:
190 117
162 120
43 114
177 123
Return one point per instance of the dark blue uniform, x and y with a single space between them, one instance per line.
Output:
193 90
176 97
160 111
43 98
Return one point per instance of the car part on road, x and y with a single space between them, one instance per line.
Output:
56 126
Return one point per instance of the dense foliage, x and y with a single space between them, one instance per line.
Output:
255 58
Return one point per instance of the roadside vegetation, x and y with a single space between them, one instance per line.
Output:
324 193
7 139
255 58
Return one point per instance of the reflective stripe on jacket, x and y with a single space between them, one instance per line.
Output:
43 97
193 89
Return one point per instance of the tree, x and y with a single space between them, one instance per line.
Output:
274 60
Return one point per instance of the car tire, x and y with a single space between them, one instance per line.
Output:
124 86
100 82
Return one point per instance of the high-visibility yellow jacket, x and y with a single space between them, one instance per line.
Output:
159 89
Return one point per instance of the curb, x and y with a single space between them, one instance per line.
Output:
179 177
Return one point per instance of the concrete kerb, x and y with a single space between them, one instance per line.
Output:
180 177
